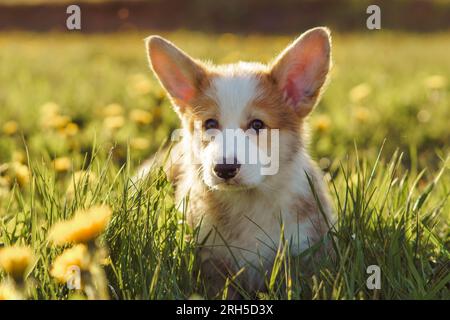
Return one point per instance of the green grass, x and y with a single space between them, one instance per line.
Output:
392 201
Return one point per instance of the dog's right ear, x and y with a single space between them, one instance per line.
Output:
180 75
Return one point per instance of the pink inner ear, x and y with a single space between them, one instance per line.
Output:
176 82
295 85
187 94
180 87
302 71
292 93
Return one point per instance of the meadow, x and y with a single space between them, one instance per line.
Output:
78 113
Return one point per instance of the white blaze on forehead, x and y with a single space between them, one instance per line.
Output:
234 88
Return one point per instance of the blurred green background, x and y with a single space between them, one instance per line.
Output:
60 90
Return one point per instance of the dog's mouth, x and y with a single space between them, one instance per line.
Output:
231 185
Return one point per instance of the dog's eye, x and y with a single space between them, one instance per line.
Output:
211 124
257 125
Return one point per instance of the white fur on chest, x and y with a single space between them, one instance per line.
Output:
255 221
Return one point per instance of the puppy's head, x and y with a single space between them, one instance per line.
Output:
244 120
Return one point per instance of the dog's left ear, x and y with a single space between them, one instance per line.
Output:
301 70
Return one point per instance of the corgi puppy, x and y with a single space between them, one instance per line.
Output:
244 209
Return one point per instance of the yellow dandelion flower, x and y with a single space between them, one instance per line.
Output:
83 227
9 292
71 129
359 92
322 123
142 87
435 82
362 114
20 173
49 109
75 258
113 109
141 116
10 127
139 143
115 122
56 121
139 84
62 164
15 260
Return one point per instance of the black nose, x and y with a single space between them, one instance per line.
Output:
227 170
